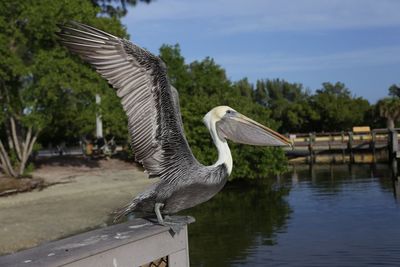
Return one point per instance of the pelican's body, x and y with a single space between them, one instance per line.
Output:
155 124
197 183
183 195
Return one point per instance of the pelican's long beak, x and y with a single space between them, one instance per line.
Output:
241 129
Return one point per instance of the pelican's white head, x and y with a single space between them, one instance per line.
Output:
226 123
215 115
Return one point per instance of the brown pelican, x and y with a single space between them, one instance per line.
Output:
154 120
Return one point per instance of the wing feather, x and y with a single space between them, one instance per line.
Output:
150 102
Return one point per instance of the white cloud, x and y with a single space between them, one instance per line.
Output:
260 64
218 28
268 15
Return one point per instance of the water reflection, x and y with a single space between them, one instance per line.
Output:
396 188
395 178
320 215
242 216
334 178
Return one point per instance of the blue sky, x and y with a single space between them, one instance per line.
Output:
306 41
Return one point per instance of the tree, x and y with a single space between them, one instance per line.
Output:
288 102
116 8
337 108
178 71
331 108
394 90
42 88
389 108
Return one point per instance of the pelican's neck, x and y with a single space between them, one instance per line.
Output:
224 153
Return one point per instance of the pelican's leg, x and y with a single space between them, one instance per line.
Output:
158 213
176 226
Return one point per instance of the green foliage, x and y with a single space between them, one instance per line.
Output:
337 108
289 104
52 91
116 8
331 108
394 90
29 169
43 89
389 108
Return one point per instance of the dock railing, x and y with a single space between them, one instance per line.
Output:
346 143
138 242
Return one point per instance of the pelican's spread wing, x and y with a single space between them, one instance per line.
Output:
150 102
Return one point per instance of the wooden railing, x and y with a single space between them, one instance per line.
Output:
375 134
310 144
135 243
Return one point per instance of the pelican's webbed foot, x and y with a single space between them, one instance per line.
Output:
175 226
175 223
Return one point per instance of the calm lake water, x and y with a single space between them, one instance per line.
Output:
325 216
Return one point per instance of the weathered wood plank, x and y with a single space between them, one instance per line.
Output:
132 243
179 259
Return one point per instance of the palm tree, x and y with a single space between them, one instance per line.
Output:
389 108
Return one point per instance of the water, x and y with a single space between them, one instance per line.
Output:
327 216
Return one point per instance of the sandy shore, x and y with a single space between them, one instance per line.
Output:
83 199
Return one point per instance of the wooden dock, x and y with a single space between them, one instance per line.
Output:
135 243
377 145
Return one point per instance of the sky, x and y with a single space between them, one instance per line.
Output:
356 42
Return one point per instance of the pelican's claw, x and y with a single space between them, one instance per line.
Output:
177 223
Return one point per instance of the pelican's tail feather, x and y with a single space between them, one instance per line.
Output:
144 202
125 210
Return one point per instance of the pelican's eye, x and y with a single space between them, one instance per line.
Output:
229 111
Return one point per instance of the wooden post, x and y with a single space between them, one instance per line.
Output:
393 145
99 121
395 169
310 148
396 187
350 147
343 150
372 145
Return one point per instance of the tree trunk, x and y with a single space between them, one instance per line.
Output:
389 123
22 149
27 150
6 165
15 138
